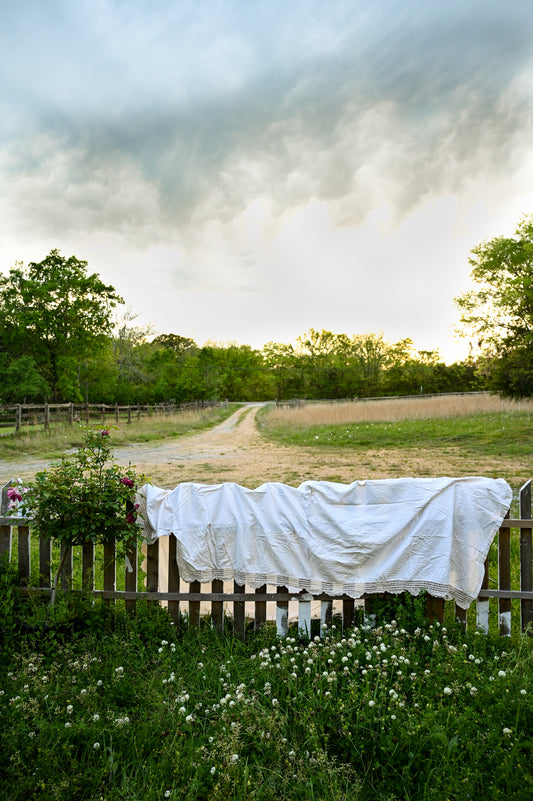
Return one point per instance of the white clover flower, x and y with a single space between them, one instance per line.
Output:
96 746
473 690
507 732
68 724
96 717
523 692
234 757
275 702
213 770
291 754
447 691
371 703
99 683
119 670
70 709
167 793
502 674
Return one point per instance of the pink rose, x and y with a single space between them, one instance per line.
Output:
13 494
127 482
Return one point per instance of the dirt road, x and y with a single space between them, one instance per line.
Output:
235 451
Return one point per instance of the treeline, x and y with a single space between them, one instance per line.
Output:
58 343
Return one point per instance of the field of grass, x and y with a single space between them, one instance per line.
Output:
62 437
479 424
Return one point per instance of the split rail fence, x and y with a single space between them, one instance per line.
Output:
19 415
505 597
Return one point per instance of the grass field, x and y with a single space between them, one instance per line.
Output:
62 437
477 424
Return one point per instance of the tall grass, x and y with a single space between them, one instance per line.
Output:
385 410
63 437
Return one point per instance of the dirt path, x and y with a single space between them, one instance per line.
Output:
235 451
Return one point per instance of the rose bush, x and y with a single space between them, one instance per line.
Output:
86 497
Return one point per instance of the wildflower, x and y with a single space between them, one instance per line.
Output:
234 757
96 746
70 709
447 691
507 732
68 724
371 703
104 432
95 717
167 793
127 482
213 770
523 692
473 690
119 670
502 674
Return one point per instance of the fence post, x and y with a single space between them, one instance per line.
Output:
66 571
152 567
304 615
173 580
24 554
45 562
18 421
504 579
239 616
217 607
526 578
46 415
87 565
260 614
482 606
5 547
282 614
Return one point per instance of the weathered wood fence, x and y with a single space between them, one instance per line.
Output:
511 584
19 415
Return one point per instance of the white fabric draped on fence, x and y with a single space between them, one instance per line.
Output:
376 536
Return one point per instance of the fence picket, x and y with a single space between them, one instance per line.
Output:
282 614
504 579
45 562
24 555
239 614
526 557
482 606
87 565
130 576
173 580
217 607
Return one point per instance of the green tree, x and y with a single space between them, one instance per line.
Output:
499 312
58 314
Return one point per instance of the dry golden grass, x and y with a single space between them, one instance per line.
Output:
386 410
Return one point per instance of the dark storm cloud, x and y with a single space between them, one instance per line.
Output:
153 131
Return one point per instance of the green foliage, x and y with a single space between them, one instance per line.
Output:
499 312
85 497
56 313
145 710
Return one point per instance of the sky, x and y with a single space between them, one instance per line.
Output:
246 170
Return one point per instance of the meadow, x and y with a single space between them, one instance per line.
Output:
136 708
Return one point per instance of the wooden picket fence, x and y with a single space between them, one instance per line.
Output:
20 415
123 581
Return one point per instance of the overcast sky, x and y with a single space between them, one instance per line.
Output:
245 171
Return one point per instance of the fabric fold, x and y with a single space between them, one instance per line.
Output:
397 535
